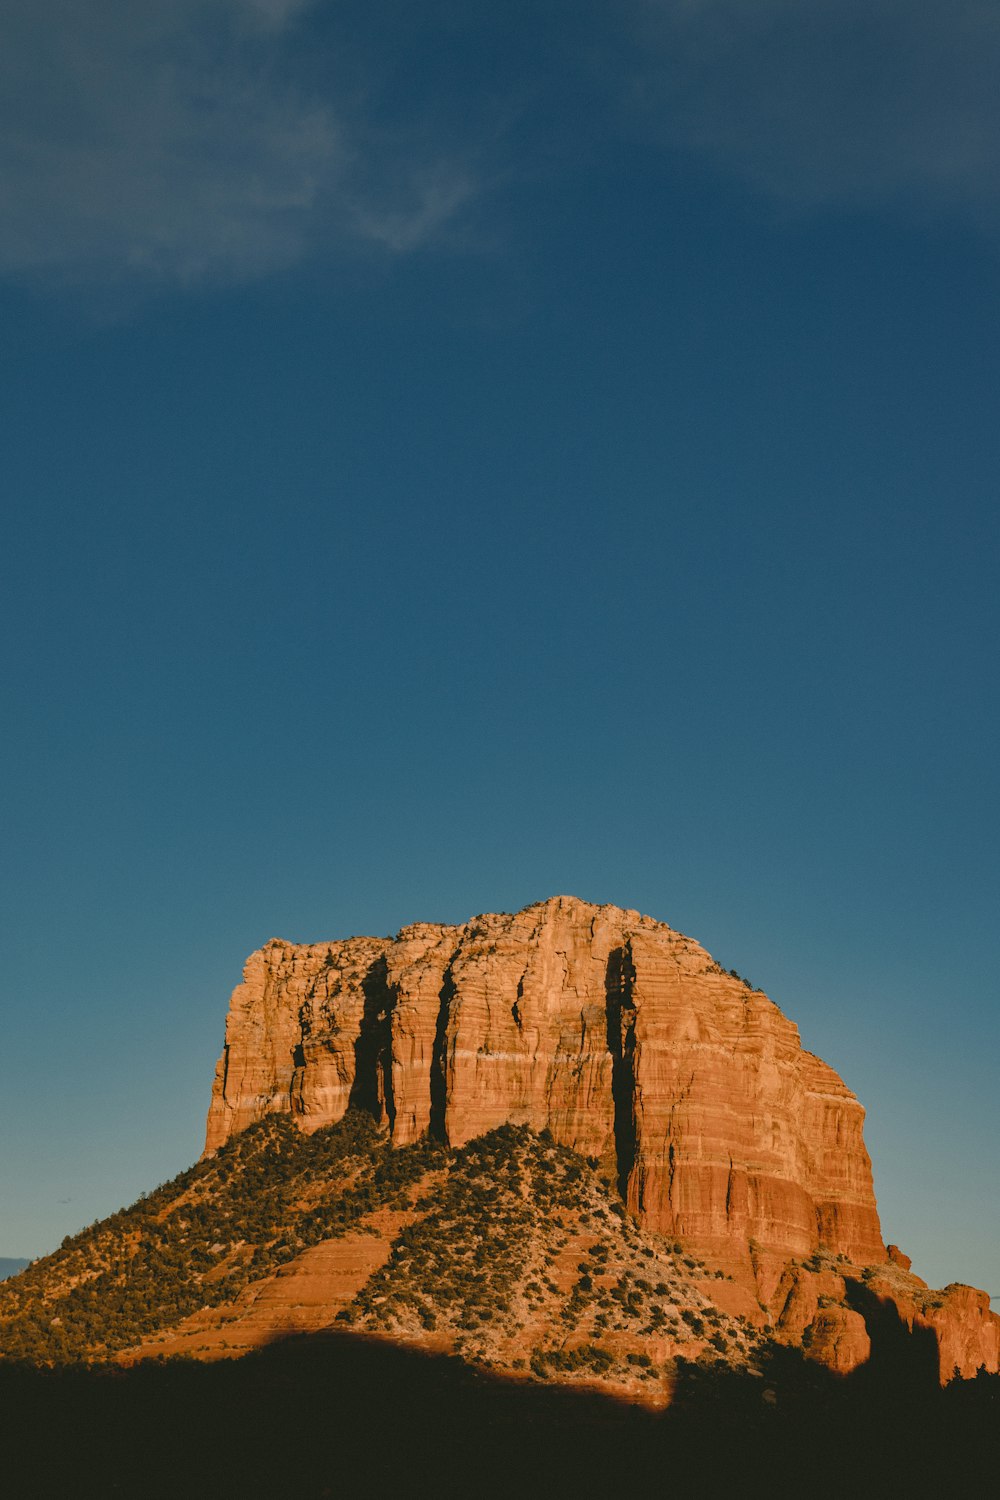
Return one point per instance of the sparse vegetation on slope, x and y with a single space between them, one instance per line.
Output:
513 1251
198 1240
523 1247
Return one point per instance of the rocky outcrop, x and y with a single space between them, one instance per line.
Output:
293 1033
839 1338
955 1326
617 1034
811 1309
626 1041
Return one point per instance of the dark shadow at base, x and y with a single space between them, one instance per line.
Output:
902 1359
337 1415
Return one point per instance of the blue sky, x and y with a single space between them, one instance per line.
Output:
452 461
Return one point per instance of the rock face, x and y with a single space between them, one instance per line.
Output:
957 1329
631 1045
614 1032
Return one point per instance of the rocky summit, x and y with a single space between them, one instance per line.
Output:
564 1145
615 1033
627 1043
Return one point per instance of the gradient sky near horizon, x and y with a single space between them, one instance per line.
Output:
451 458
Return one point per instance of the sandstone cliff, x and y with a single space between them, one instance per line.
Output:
628 1043
611 1030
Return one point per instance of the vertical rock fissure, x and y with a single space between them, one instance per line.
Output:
437 1126
515 1009
372 1088
296 1103
619 982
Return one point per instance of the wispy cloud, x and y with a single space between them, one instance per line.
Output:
193 141
178 142
831 100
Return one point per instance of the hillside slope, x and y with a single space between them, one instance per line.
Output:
511 1251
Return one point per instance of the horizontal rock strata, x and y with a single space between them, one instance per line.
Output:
619 1035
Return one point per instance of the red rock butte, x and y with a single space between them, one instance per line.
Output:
611 1030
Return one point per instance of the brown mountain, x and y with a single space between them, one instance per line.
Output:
563 1144
627 1043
